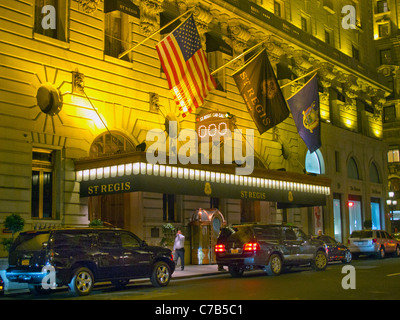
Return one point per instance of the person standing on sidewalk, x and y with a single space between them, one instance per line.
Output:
179 248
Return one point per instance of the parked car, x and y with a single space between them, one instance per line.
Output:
82 256
267 247
337 251
1 286
373 242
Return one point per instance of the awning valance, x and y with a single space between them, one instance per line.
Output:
130 173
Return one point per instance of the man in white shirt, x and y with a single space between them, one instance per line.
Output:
179 248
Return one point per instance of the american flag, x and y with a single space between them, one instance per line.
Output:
186 67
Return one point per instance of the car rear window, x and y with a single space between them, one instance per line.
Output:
268 233
242 234
30 241
361 234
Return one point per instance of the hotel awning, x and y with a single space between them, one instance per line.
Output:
131 173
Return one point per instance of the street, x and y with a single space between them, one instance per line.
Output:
375 280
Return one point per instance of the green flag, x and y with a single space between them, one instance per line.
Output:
260 90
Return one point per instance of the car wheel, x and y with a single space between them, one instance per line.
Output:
347 257
320 261
161 274
82 282
381 253
236 271
274 267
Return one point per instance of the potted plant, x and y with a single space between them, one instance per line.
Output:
14 223
96 223
168 231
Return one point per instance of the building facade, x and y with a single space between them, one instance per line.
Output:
386 30
75 117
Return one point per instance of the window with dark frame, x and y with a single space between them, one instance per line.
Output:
42 196
382 6
169 201
60 7
116 34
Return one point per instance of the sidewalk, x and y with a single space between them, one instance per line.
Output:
190 271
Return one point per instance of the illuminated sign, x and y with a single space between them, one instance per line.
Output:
214 124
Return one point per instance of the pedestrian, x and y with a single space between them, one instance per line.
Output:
179 248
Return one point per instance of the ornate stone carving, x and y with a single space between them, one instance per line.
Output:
150 15
89 6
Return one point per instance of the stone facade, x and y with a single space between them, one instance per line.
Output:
78 65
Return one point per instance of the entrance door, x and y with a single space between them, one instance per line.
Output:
108 208
355 217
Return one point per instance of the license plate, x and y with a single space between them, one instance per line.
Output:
233 251
360 243
25 262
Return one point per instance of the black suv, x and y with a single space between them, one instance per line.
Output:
267 247
82 256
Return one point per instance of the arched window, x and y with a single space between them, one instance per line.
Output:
352 169
106 144
374 173
315 162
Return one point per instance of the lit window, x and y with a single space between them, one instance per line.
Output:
111 143
394 156
382 6
42 201
117 37
315 162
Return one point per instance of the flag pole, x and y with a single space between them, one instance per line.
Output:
239 56
153 34
295 80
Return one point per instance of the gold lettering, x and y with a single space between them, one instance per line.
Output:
103 188
90 190
127 186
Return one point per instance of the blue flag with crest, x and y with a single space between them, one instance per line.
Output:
304 106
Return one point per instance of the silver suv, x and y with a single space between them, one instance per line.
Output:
377 242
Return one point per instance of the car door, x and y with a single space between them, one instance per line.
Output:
137 259
306 250
109 255
390 243
291 246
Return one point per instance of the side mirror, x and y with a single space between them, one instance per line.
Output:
144 244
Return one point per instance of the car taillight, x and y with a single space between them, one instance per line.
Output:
219 248
251 246
374 240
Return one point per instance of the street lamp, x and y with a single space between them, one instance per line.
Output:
391 203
